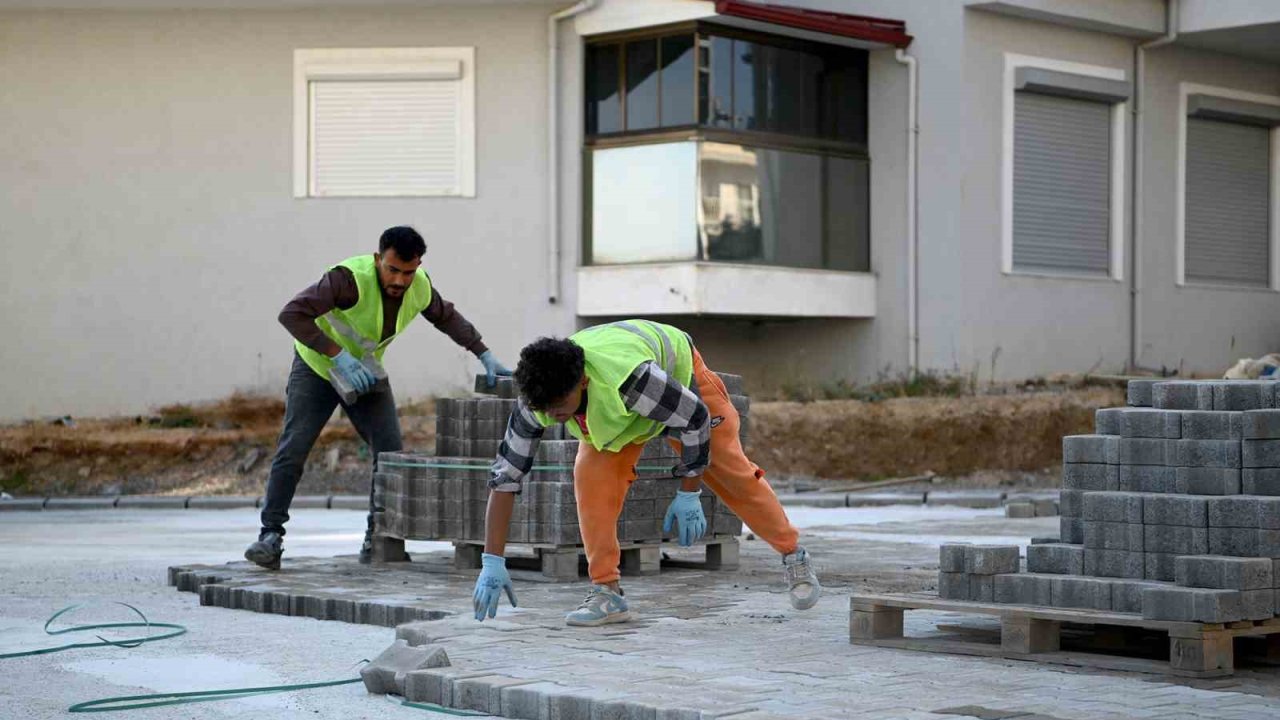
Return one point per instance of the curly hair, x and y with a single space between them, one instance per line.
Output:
548 370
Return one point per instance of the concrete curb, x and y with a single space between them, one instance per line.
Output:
180 502
961 498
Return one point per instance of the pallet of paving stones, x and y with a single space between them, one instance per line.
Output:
1065 636
564 563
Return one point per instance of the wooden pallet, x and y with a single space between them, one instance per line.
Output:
1027 632
561 563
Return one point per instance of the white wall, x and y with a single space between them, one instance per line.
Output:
1198 329
148 227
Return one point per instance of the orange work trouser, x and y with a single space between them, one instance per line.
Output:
601 480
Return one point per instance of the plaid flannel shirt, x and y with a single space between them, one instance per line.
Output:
648 391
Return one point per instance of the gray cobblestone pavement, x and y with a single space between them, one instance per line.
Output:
707 643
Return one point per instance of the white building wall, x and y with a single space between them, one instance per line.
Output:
148 227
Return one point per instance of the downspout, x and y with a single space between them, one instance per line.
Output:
1135 188
913 240
553 145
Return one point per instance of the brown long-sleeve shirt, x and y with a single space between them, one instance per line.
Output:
337 289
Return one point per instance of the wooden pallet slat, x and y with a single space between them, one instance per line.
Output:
1034 633
561 562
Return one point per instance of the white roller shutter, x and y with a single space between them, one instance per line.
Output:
1061 184
386 137
1228 203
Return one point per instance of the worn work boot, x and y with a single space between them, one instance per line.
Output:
803 581
266 551
601 607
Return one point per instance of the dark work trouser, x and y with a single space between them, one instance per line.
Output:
309 403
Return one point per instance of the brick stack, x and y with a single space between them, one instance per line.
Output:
448 503
1171 510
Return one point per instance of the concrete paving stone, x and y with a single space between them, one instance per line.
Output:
1208 453
1144 451
1055 558
1114 507
435 685
1175 510
991 559
385 674
526 702
1260 481
1260 453
1149 423
1268 543
1183 604
349 502
1147 479
1182 395
1207 481
1236 542
1126 595
1045 507
1045 539
1020 510
1090 476
1114 563
953 585
1224 572
1071 503
1237 511
1139 392
1081 592
982 588
951 557
1106 421
1243 395
1023 589
1212 425
1175 539
1089 448
1260 424
1112 536
1071 530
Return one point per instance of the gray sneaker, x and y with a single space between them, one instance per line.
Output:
266 551
602 606
801 579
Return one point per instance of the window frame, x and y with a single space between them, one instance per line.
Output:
1185 90
350 64
1118 143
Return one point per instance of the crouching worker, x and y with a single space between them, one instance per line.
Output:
616 386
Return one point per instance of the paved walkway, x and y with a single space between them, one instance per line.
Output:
708 644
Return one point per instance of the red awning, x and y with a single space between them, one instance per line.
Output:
877 30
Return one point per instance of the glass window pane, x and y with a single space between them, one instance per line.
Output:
604 101
642 84
643 203
794 82
718 111
745 85
677 80
844 97
791 209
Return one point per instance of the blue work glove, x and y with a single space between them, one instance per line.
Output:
688 511
493 579
492 368
355 371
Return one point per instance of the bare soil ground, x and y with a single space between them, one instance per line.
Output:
1005 440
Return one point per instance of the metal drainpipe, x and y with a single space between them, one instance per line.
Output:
913 240
553 145
1135 188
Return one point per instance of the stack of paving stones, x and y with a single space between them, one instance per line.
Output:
422 501
1171 510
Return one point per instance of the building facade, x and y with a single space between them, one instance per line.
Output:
818 190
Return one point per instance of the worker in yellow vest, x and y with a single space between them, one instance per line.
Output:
341 327
615 387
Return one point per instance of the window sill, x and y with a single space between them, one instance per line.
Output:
1047 275
1226 287
708 288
